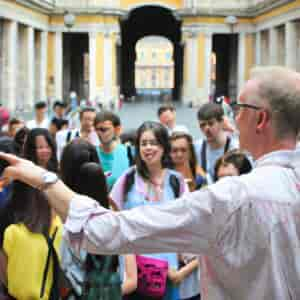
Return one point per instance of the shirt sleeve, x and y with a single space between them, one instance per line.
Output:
192 224
117 192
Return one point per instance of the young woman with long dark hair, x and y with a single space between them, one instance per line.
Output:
29 228
151 182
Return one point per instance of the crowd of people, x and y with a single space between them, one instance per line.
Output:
100 206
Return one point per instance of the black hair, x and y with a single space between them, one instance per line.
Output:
128 137
28 206
236 157
81 170
19 140
14 121
59 123
25 204
210 111
7 146
30 147
107 115
162 137
86 109
165 107
40 104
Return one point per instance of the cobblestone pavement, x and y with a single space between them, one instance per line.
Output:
133 114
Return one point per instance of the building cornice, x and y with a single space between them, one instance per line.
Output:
38 5
249 12
49 8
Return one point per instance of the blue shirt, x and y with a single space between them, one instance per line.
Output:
114 163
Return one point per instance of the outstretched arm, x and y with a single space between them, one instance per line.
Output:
192 224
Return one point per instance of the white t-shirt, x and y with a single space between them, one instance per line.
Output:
62 135
34 124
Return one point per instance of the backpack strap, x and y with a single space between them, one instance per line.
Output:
175 185
54 294
130 155
203 156
227 144
68 138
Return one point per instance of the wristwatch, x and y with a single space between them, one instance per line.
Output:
48 178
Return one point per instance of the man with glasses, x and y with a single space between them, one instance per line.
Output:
112 154
247 227
216 140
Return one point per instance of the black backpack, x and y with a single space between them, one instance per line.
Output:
102 280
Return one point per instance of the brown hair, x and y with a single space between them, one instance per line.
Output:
236 157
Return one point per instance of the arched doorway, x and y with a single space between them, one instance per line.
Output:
148 21
154 68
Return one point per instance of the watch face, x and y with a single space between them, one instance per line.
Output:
49 177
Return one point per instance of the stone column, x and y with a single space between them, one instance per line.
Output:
207 66
29 68
273 46
190 68
92 65
107 51
291 45
258 48
110 89
241 60
43 66
10 66
58 82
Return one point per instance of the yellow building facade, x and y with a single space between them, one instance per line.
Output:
154 65
44 55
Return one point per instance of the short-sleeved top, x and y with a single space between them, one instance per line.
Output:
34 124
26 259
212 155
137 195
115 163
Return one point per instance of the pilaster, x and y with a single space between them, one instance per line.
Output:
58 84
290 45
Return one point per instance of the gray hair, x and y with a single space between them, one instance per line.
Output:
279 88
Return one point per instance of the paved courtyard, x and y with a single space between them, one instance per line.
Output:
133 114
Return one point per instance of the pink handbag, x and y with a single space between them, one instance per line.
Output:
152 276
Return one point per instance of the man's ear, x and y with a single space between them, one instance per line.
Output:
118 130
263 120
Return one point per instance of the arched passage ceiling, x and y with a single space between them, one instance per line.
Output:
151 20
144 21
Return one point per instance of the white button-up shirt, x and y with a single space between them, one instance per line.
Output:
247 227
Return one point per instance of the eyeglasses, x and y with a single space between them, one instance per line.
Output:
236 107
102 129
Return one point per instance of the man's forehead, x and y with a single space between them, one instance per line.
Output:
105 123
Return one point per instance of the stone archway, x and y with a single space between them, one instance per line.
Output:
144 21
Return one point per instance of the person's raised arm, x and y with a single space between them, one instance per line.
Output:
196 223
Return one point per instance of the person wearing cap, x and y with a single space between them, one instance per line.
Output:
40 120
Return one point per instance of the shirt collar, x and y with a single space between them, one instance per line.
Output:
285 158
